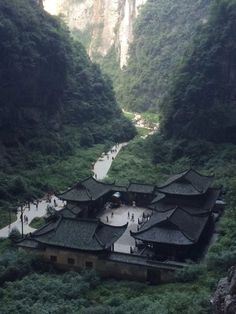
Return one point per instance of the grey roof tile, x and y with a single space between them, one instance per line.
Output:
141 188
187 183
175 226
86 190
81 234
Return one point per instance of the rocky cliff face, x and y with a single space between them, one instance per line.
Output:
101 24
224 300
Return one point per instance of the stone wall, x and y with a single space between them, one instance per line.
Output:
106 268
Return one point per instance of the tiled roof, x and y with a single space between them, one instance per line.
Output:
81 234
187 183
119 188
141 188
159 196
175 226
70 211
195 205
86 190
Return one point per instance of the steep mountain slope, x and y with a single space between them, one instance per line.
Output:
163 31
46 79
202 103
99 24
53 99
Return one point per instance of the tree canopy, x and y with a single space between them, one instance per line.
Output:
162 34
47 79
202 101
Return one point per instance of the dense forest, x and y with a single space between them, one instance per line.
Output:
73 100
202 100
54 101
162 35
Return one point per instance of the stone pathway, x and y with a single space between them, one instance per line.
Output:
103 164
119 218
31 213
101 169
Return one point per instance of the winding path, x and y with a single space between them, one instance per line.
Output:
101 168
103 164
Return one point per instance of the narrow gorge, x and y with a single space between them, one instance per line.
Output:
100 25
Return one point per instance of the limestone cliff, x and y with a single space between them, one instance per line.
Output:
101 24
224 299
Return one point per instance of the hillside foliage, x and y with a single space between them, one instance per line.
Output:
54 104
202 101
162 34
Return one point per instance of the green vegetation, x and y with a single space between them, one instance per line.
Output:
162 35
201 104
150 117
142 131
55 105
33 287
57 154
37 222
129 115
133 163
8 215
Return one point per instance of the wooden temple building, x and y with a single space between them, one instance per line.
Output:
179 227
183 220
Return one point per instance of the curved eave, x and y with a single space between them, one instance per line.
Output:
186 243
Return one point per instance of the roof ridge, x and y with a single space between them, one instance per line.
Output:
91 177
131 182
97 238
55 227
191 169
177 174
188 237
202 175
86 178
184 210
69 189
173 211
184 233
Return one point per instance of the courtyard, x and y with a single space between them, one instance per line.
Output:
120 216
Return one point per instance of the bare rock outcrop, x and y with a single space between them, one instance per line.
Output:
224 299
104 23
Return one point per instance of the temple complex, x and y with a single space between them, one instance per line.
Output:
141 231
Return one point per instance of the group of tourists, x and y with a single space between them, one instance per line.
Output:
24 218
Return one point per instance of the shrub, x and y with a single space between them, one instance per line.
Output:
190 273
14 234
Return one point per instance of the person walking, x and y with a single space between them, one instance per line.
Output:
132 217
